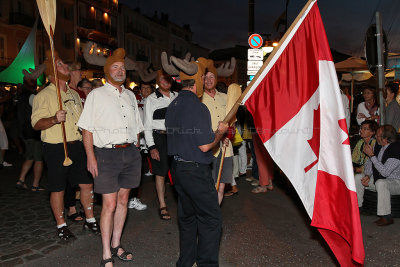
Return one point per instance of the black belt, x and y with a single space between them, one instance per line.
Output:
160 131
124 145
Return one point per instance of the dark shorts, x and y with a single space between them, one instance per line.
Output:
33 150
118 168
161 167
227 169
59 175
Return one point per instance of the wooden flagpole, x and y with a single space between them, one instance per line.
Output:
47 10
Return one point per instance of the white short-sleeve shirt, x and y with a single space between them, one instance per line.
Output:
112 117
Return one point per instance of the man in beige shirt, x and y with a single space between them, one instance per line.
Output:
216 104
47 117
111 126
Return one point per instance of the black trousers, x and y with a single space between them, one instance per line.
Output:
199 214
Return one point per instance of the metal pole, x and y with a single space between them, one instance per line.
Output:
251 17
381 74
286 18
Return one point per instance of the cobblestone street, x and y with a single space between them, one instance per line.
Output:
258 230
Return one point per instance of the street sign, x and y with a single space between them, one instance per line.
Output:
255 40
254 65
255 54
252 72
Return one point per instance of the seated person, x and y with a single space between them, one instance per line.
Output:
382 172
367 132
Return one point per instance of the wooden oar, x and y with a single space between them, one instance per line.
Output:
233 94
47 10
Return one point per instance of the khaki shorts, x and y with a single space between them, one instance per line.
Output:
117 168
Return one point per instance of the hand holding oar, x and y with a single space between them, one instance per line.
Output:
233 94
47 10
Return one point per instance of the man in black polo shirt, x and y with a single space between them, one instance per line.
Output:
190 140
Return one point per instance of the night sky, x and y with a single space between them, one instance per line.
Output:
224 23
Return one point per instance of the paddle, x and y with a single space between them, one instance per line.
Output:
233 94
47 10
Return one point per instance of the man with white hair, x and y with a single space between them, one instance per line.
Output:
111 125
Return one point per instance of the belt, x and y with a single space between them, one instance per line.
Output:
197 164
177 158
160 131
119 145
72 142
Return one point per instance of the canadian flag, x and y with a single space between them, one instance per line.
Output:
297 109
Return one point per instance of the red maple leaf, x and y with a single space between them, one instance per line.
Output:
314 141
343 126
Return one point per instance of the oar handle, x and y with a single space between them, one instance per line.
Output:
220 168
67 160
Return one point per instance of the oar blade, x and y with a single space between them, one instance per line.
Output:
233 94
47 10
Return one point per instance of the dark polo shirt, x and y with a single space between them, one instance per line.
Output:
188 124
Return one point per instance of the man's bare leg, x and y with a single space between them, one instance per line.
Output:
57 206
37 173
26 166
119 219
87 199
107 222
160 188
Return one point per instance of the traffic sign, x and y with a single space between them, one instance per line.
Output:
255 40
254 64
255 54
252 72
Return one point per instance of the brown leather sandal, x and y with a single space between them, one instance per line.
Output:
123 256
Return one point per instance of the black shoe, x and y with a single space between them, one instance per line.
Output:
92 226
64 233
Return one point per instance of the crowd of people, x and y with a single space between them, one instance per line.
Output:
113 135
376 155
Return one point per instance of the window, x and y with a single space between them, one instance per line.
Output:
2 47
67 12
68 40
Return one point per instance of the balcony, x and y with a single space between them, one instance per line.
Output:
22 19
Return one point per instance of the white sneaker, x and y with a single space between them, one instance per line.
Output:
134 203
148 173
6 164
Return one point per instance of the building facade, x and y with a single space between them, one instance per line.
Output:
105 22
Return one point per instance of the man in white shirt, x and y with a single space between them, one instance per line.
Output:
155 134
111 123
382 172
